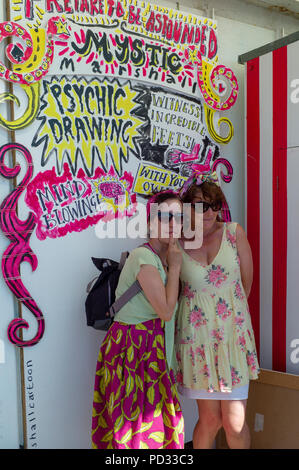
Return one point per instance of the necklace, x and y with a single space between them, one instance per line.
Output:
154 251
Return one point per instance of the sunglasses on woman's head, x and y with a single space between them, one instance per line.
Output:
215 206
166 217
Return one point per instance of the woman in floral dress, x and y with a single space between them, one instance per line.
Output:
215 343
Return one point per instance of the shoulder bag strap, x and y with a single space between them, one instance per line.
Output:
133 290
125 297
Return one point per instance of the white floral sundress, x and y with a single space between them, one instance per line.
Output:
215 346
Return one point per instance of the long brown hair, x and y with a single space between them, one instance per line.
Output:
212 193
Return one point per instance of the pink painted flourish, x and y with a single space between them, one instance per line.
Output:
19 233
217 73
66 203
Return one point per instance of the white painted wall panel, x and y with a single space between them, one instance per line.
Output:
266 215
292 327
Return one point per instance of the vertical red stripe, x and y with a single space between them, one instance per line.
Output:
280 100
253 190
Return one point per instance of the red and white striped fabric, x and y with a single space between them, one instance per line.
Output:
272 209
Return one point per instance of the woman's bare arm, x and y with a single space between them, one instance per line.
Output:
246 262
162 298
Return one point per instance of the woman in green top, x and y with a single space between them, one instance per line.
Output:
136 404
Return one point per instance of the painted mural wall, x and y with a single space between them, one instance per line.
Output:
113 100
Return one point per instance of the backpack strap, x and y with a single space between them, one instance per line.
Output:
123 258
91 284
125 297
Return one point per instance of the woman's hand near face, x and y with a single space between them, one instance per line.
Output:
174 254
246 262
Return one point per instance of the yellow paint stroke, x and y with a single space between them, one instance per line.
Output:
146 181
32 92
42 12
206 72
105 139
193 56
38 52
209 115
40 15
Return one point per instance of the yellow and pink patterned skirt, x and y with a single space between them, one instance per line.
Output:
135 404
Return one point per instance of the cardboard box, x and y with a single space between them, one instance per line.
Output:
272 412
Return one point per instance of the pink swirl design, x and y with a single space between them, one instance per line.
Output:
226 215
225 211
228 177
19 233
218 72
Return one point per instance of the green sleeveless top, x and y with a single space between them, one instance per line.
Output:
138 309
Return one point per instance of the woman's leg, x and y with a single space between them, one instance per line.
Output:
234 424
208 424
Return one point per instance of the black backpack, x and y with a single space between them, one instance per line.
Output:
100 304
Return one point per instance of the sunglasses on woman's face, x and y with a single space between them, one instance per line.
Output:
215 206
166 217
